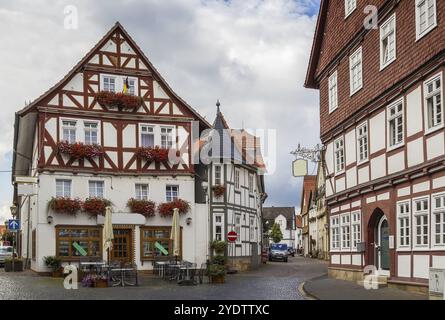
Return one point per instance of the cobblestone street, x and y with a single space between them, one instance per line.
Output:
274 281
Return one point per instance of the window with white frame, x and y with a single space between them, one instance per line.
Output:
63 188
362 142
238 227
421 222
335 233
438 220
217 175
426 17
131 86
108 83
433 102
96 189
141 191
339 153
172 193
404 224
395 123
91 129
356 225
388 42
147 136
69 131
237 179
356 71
333 92
345 228
252 229
251 183
218 227
350 6
166 137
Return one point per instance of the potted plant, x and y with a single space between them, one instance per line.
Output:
119 100
88 280
96 206
55 264
15 265
166 209
218 191
218 246
100 281
217 273
152 154
65 205
145 207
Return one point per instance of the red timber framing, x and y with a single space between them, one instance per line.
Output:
74 97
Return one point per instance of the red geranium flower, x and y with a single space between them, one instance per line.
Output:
166 209
65 205
144 207
156 153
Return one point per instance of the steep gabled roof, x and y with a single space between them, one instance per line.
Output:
77 68
273 212
316 46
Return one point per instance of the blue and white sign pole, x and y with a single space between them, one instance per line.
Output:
14 226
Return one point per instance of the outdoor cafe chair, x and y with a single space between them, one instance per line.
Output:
203 272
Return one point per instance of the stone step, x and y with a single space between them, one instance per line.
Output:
381 281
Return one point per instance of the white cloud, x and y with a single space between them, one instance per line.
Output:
251 54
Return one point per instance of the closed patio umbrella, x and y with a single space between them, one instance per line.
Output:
108 232
175 232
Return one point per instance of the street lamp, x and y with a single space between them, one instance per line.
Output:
13 209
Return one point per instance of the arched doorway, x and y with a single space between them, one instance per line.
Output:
378 235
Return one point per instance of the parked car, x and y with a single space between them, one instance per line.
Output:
291 251
5 253
278 251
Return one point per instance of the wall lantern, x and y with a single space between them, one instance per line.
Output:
13 209
49 219
188 221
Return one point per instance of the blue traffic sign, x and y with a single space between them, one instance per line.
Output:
14 224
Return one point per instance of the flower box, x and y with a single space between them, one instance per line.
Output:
65 205
145 207
156 154
119 100
79 150
166 209
218 191
96 206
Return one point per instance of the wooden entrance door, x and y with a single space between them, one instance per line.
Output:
122 245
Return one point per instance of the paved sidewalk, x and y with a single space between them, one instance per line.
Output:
324 288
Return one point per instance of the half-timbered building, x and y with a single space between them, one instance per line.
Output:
236 192
382 124
108 132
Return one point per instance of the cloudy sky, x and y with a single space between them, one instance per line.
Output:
251 54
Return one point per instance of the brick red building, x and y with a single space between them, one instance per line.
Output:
307 197
382 123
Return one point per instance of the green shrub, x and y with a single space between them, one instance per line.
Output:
219 246
52 262
218 259
217 270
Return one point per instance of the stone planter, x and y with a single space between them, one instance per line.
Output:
18 266
218 279
58 273
101 283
